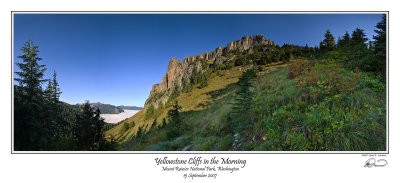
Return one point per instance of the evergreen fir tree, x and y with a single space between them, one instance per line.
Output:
164 123
329 42
89 124
56 90
149 112
175 123
139 132
32 72
358 37
380 45
358 52
31 120
153 125
243 118
48 91
99 134
173 114
344 41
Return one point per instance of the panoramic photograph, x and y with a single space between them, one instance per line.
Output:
199 82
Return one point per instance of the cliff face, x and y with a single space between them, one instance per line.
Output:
180 72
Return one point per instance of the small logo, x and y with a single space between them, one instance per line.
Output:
372 162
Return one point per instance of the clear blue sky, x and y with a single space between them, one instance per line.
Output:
115 59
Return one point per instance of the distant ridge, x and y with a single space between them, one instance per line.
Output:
106 108
130 107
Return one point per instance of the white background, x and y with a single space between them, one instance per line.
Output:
141 167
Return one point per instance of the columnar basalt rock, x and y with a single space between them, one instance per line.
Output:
180 72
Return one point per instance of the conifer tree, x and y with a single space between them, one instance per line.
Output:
164 123
175 123
50 109
99 134
52 96
32 72
358 37
380 45
31 121
48 92
344 42
139 132
89 123
329 42
243 115
153 125
358 52
173 114
149 112
55 100
56 90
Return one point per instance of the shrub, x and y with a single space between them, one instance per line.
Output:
125 127
208 145
149 112
225 143
324 107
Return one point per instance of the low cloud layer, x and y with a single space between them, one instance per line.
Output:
115 118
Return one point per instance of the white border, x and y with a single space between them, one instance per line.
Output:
201 152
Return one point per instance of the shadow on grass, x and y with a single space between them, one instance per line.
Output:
195 124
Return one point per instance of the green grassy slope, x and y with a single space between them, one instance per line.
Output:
303 106
195 100
324 107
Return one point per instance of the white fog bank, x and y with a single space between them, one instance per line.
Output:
115 118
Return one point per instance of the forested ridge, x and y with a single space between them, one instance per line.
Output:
107 108
130 107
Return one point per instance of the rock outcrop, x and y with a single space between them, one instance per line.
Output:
180 72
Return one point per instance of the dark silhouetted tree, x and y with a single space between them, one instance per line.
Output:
56 90
175 122
139 132
329 42
32 72
153 125
243 119
358 37
48 91
358 52
379 44
89 133
164 123
31 120
149 112
344 42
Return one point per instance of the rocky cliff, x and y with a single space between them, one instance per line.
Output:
179 72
